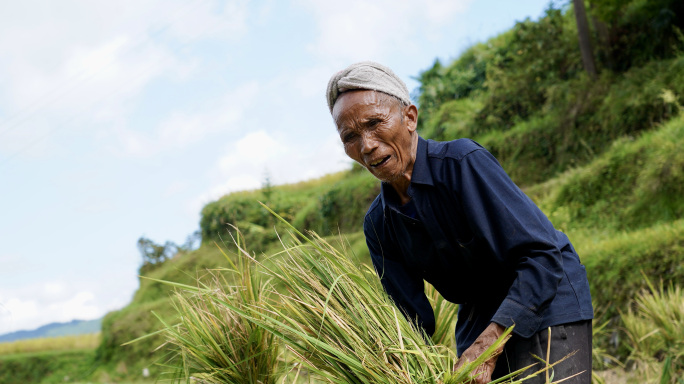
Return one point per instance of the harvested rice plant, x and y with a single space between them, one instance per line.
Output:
331 318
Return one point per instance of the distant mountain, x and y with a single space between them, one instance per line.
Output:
74 327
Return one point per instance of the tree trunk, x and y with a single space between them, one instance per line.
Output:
584 38
604 49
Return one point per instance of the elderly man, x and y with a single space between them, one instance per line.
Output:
449 214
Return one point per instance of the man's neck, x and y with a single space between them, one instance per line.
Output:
402 183
402 190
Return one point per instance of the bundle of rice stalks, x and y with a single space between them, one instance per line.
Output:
213 342
335 316
445 317
332 315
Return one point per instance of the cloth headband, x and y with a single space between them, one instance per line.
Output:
366 75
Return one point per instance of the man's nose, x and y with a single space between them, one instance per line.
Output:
368 143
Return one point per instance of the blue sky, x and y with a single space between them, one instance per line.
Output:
122 119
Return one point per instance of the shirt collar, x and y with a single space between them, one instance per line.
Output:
421 172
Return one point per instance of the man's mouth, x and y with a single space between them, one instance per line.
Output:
380 161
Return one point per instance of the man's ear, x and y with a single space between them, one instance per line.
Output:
411 116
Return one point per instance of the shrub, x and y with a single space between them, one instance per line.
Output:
453 120
46 367
615 266
637 183
656 334
533 56
457 81
639 30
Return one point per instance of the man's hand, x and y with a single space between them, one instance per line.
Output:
484 341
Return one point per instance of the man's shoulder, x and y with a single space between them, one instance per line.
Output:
374 217
375 209
455 149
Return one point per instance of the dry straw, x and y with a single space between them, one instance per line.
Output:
213 342
331 316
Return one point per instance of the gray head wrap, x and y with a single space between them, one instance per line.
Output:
366 75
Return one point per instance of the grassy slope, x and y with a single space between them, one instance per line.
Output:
60 343
49 360
46 367
602 158
624 212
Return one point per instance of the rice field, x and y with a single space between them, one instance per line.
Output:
62 343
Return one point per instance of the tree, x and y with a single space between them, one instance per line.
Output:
267 187
153 253
192 242
584 38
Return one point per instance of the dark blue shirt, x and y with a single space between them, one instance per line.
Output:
480 241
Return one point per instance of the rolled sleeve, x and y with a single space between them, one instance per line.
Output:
511 313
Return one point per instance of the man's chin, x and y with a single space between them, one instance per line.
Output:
385 178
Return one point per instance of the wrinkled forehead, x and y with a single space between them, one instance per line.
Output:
361 97
361 107
354 104
355 96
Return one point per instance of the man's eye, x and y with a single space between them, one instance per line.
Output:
349 137
374 122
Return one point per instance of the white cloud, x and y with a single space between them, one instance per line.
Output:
90 89
183 129
80 306
308 82
247 161
80 65
243 166
327 157
54 289
359 29
250 154
18 314
35 305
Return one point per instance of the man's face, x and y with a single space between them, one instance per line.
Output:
376 131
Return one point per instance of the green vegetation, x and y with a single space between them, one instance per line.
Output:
48 360
81 342
602 157
213 341
656 334
330 313
46 367
635 184
331 204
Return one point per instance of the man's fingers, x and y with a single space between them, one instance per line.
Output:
481 375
